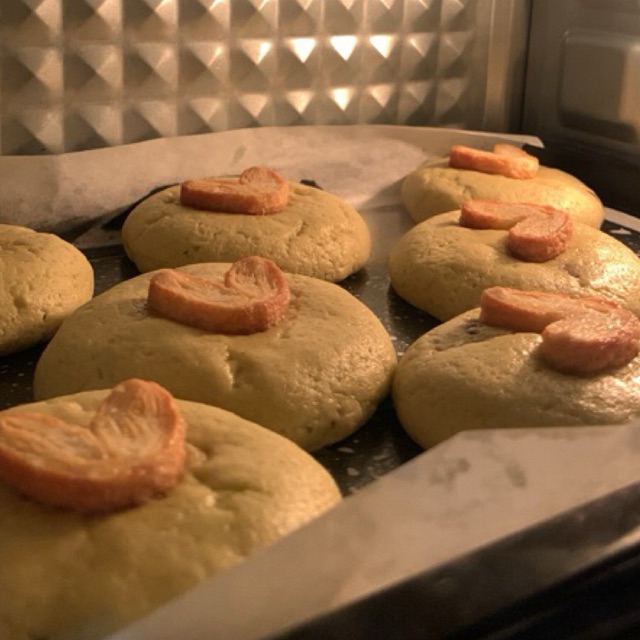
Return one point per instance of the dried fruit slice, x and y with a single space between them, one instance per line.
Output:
589 344
582 336
537 233
132 450
484 213
520 310
508 149
505 159
253 297
541 237
257 191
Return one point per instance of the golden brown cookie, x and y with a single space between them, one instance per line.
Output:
84 577
435 188
466 375
317 234
442 267
42 280
315 377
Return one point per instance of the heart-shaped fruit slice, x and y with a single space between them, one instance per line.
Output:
537 233
132 450
581 336
505 160
257 191
252 297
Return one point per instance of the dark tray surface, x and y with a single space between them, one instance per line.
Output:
380 445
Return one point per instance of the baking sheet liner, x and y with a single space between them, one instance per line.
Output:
85 196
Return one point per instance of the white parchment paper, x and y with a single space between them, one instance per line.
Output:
360 163
465 493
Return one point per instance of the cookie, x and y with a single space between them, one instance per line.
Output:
466 375
43 279
316 234
84 577
315 377
442 267
435 188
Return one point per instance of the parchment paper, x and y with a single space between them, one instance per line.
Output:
361 163
468 491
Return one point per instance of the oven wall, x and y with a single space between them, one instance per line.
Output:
582 94
85 74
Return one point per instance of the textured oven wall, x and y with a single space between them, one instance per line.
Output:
583 93
583 82
84 74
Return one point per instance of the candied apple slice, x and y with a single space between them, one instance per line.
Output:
257 191
132 450
484 213
505 160
538 238
537 233
518 310
591 343
581 336
512 150
253 297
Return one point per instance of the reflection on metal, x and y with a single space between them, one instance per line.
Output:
583 82
82 74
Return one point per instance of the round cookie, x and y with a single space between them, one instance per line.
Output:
442 267
317 234
315 377
84 577
436 188
466 375
42 280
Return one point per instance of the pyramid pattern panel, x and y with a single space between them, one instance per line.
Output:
84 74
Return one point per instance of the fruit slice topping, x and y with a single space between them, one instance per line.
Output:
252 297
537 233
581 336
132 450
256 191
506 160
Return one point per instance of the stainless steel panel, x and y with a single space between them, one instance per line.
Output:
582 94
83 74
583 80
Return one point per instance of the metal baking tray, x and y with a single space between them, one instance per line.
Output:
381 446
89 194
375 449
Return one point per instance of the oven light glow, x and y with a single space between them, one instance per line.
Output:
341 97
300 100
383 44
257 50
302 47
344 45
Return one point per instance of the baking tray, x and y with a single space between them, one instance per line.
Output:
572 577
87 196
375 449
381 444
